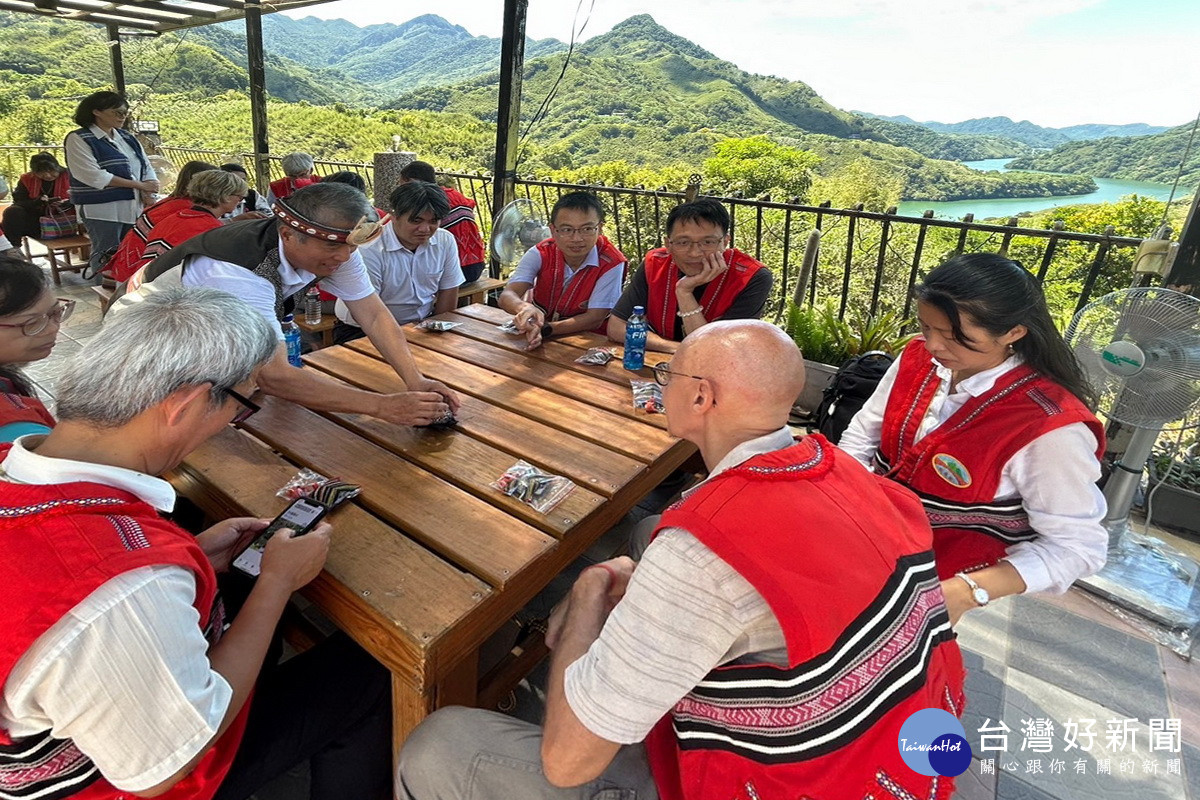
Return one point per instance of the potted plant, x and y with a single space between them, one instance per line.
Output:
827 341
1175 481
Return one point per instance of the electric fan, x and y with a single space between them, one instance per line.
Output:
516 229
1140 350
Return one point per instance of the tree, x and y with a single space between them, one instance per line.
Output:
758 165
873 183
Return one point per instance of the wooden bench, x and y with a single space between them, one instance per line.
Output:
63 247
477 291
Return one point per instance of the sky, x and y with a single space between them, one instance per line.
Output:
1053 62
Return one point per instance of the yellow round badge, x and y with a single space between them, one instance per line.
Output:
951 470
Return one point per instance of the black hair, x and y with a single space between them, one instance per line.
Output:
348 178
186 173
998 294
419 171
333 204
578 201
41 162
416 197
21 284
702 210
97 101
233 167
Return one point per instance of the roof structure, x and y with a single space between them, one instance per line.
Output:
149 16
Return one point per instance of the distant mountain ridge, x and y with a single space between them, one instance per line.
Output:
1141 158
389 58
1027 132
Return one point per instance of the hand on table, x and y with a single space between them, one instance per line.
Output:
448 394
412 408
223 541
714 265
530 319
292 560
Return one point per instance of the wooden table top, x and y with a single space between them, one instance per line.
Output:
430 559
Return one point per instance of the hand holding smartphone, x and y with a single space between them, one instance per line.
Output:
301 517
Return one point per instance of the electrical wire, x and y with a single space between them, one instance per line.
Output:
544 107
144 99
1187 151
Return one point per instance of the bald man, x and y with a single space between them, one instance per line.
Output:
742 656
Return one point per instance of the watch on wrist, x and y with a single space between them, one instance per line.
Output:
978 593
547 330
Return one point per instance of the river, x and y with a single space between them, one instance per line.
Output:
1110 190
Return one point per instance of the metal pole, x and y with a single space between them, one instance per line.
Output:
114 55
508 118
258 94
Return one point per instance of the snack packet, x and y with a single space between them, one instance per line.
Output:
540 490
647 396
437 325
597 356
329 492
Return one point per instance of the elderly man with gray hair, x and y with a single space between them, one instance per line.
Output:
314 236
119 675
298 173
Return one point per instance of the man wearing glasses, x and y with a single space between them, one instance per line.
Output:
314 235
575 275
696 279
119 674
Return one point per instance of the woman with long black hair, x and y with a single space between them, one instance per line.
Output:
986 416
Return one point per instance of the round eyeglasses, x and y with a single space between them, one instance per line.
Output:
663 373
32 327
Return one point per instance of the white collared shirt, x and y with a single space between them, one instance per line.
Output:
349 282
125 674
84 168
1054 475
605 293
408 281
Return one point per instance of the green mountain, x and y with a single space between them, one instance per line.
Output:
642 95
391 59
1026 132
53 56
948 146
1141 158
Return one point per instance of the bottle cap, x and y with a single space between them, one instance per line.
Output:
289 317
639 309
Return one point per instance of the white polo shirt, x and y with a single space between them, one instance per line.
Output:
408 281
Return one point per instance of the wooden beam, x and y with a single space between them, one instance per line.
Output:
258 94
114 55
508 118
176 12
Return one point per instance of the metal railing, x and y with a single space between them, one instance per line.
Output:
868 260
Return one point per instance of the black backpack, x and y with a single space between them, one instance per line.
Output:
850 389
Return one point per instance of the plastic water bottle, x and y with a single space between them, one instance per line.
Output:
291 338
635 339
312 306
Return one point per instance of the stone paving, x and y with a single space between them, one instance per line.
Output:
1063 659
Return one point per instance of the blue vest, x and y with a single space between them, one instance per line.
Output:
111 160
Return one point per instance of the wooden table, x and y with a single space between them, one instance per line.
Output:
430 561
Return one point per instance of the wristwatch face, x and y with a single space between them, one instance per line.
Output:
981 595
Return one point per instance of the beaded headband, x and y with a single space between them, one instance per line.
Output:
364 231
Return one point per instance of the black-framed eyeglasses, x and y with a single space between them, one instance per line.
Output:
61 311
248 406
566 231
663 373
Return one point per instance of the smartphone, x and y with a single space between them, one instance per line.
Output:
301 516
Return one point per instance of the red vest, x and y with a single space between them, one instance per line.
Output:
17 407
662 275
61 190
60 543
286 187
844 559
560 302
461 222
956 469
138 250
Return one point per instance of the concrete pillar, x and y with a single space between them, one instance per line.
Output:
387 175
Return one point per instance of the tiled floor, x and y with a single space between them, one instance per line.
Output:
1062 659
